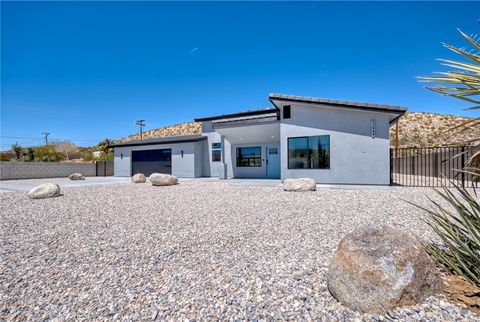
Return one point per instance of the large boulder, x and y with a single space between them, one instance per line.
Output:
46 190
161 179
379 268
139 178
76 176
301 184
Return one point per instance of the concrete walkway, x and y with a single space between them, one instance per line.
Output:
240 182
27 184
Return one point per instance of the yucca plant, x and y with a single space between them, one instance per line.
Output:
459 228
458 225
464 82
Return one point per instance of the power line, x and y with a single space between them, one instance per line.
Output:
40 138
18 137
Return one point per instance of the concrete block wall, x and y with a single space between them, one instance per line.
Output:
38 170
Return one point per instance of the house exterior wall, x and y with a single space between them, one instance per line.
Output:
355 157
210 168
188 166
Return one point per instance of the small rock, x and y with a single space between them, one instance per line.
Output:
46 190
139 178
76 176
161 179
301 184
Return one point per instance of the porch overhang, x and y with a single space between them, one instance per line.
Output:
265 132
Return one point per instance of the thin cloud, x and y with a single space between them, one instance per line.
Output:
192 51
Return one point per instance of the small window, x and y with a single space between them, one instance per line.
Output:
273 151
249 157
216 152
309 152
287 111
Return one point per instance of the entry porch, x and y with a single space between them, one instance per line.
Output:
250 150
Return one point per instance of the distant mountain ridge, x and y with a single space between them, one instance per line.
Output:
416 129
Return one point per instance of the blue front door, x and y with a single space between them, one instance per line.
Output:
273 161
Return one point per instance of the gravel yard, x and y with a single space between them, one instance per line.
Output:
198 250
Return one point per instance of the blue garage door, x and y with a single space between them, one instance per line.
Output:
151 161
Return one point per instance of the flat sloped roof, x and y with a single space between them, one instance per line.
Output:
162 140
348 104
239 114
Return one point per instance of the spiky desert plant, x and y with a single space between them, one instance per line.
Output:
464 82
459 228
458 225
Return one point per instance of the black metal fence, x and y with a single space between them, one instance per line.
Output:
104 168
430 167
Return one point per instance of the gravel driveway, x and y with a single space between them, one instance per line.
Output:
198 250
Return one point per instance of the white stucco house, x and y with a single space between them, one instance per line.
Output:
331 141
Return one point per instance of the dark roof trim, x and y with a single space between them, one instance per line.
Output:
396 118
345 104
241 114
162 140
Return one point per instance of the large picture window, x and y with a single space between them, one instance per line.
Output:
309 152
249 156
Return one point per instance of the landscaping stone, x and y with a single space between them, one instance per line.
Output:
161 179
139 178
76 176
301 184
460 289
46 190
380 268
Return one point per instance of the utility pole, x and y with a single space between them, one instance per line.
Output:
46 134
140 123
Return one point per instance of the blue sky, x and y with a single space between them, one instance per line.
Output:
87 71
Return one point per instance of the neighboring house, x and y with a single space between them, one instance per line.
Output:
333 142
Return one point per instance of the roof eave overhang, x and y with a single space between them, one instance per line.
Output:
397 112
236 115
139 143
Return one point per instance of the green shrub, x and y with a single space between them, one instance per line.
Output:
4 157
47 153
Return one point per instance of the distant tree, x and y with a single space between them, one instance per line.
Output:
67 148
104 145
29 155
18 150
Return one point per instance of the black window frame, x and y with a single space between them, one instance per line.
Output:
287 112
308 152
249 166
216 150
